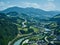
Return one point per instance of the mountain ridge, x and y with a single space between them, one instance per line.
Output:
32 12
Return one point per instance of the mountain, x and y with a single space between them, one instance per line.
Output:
56 18
34 12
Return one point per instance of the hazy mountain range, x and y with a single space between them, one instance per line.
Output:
34 12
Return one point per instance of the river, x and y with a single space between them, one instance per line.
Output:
18 42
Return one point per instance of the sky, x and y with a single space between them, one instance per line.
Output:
48 5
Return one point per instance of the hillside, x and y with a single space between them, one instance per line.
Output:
8 30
